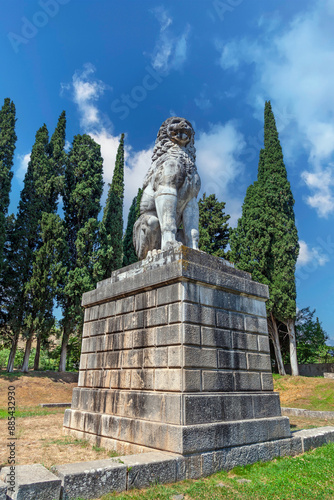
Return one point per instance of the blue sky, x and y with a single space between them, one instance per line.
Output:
127 66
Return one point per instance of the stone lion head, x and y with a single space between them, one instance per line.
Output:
174 130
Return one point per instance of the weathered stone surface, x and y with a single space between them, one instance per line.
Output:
169 194
313 438
91 479
3 490
31 482
149 468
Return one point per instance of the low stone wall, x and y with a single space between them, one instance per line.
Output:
92 479
312 369
299 412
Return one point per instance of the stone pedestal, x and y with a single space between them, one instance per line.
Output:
175 357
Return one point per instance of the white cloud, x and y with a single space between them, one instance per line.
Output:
23 161
136 164
320 182
170 51
312 255
202 101
294 68
85 92
219 167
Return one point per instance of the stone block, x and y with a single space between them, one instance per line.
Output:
247 381
259 362
145 300
133 321
191 334
263 343
144 338
67 418
244 341
155 357
175 356
115 324
193 466
120 379
197 357
98 327
132 358
150 468
267 381
237 407
156 316
114 359
191 380
3 490
124 305
31 482
217 381
93 423
86 330
216 338
190 292
231 360
210 463
168 379
168 335
169 294
227 319
202 409
107 309
313 438
91 479
122 341
91 313
266 405
200 315
142 379
175 313
256 324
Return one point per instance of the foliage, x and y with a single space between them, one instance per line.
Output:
129 253
311 337
265 241
83 185
110 255
213 226
7 148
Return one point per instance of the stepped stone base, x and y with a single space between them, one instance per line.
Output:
175 357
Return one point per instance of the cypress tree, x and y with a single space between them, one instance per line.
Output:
213 226
24 240
110 253
265 241
7 148
83 185
129 253
283 232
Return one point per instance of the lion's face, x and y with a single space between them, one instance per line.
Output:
179 131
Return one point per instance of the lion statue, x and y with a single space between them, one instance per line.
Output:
168 208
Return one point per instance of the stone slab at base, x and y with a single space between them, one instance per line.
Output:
91 479
31 482
88 479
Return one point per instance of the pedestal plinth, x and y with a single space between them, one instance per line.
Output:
175 357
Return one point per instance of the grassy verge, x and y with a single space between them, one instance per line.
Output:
307 477
36 411
310 393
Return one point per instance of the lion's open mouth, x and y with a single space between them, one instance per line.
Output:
179 133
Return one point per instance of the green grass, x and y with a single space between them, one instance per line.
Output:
322 399
30 412
306 477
